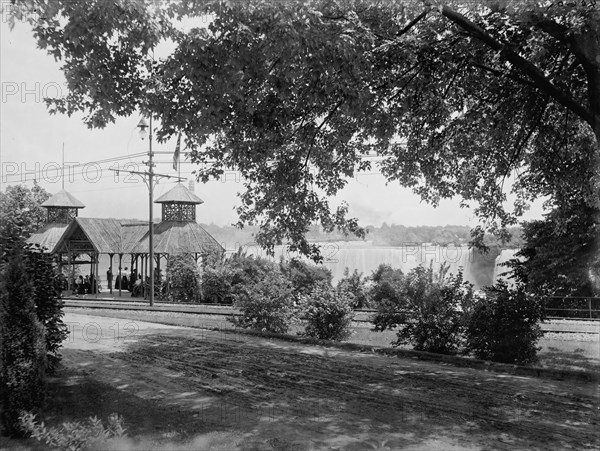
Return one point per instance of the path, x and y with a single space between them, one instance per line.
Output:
268 394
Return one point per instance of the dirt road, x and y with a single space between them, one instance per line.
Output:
194 389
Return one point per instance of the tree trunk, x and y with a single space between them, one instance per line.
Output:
587 48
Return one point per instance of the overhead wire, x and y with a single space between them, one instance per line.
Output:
58 168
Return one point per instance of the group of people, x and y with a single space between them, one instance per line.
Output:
122 281
127 281
86 285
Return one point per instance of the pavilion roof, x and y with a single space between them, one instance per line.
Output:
118 236
63 199
179 193
175 237
106 235
48 236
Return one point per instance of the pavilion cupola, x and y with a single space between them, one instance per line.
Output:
62 208
179 204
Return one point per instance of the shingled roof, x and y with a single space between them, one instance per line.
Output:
63 199
107 236
181 194
174 237
119 236
48 236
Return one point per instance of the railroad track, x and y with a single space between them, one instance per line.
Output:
228 311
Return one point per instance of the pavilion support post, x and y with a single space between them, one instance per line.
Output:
158 277
97 276
168 275
143 274
72 259
146 278
60 263
111 272
120 276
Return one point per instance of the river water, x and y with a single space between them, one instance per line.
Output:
478 268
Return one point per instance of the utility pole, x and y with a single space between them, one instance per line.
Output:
150 208
148 177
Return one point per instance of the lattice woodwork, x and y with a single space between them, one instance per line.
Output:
175 211
61 215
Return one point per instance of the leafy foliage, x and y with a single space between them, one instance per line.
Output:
223 277
304 277
559 260
455 98
427 307
504 327
328 313
20 216
46 297
356 286
248 269
561 253
387 287
23 348
217 284
76 435
184 278
267 305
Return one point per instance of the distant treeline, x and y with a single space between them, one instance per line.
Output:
386 235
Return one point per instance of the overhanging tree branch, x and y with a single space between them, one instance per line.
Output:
413 22
527 68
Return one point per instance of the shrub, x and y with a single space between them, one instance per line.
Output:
23 351
184 278
267 305
216 285
426 307
386 286
328 313
48 305
504 327
303 276
357 286
248 270
75 435
223 277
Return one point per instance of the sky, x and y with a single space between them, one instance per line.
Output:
32 140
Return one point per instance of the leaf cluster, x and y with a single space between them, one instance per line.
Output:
504 327
427 307
184 278
75 435
22 347
327 312
267 305
469 100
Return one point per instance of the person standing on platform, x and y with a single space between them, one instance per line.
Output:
125 279
93 284
80 285
86 284
109 279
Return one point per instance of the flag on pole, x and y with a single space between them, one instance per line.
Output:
176 154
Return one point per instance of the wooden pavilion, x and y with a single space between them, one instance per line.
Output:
71 238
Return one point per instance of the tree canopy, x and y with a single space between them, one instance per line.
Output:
20 216
456 99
